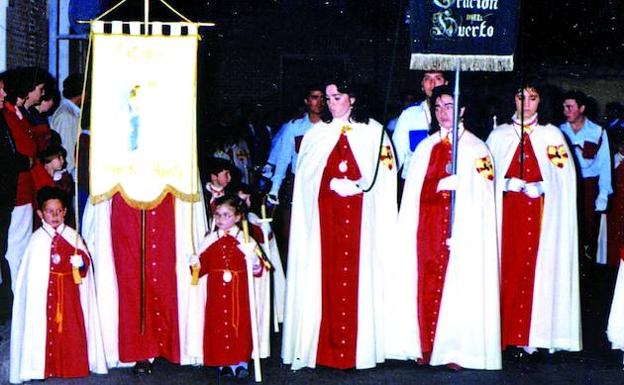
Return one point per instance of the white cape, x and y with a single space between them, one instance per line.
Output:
303 287
468 330
277 275
28 325
615 327
556 315
190 223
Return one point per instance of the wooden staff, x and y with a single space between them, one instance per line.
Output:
252 309
265 235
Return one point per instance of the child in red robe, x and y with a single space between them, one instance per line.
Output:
56 329
227 339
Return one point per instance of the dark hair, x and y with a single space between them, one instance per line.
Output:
359 113
435 94
244 188
72 86
313 87
444 73
239 206
51 93
51 152
47 193
544 109
216 165
20 81
576 95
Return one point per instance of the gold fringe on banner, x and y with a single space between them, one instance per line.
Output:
144 205
430 61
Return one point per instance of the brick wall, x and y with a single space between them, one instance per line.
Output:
27 33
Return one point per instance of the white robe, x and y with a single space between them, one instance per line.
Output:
468 329
278 277
615 327
303 310
190 222
555 315
28 325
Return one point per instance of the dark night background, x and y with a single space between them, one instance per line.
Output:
262 53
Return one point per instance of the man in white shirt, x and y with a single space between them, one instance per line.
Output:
591 150
414 121
66 118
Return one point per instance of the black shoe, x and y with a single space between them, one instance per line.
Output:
142 368
242 372
226 371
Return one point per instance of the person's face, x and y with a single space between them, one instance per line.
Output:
54 165
444 111
53 213
531 102
226 217
315 102
245 197
2 94
572 111
222 178
339 104
34 96
430 81
46 105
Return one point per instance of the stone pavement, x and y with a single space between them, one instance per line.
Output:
596 364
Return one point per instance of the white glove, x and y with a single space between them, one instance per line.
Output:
193 260
514 184
249 249
448 183
449 243
267 171
534 190
58 174
601 203
257 269
344 187
76 261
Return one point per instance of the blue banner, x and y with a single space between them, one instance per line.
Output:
479 35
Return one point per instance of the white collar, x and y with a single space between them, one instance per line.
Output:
234 232
51 231
449 133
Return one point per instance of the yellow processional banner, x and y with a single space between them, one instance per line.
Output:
143 118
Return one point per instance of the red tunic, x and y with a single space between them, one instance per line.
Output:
25 145
521 223
227 327
615 219
66 341
160 337
432 250
340 223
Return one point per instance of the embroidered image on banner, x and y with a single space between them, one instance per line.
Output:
480 33
143 118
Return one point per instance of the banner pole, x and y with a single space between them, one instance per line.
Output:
455 138
146 15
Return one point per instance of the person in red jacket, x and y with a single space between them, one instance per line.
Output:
19 84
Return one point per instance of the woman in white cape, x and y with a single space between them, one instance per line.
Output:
339 240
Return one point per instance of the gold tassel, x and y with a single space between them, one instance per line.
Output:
194 275
76 275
